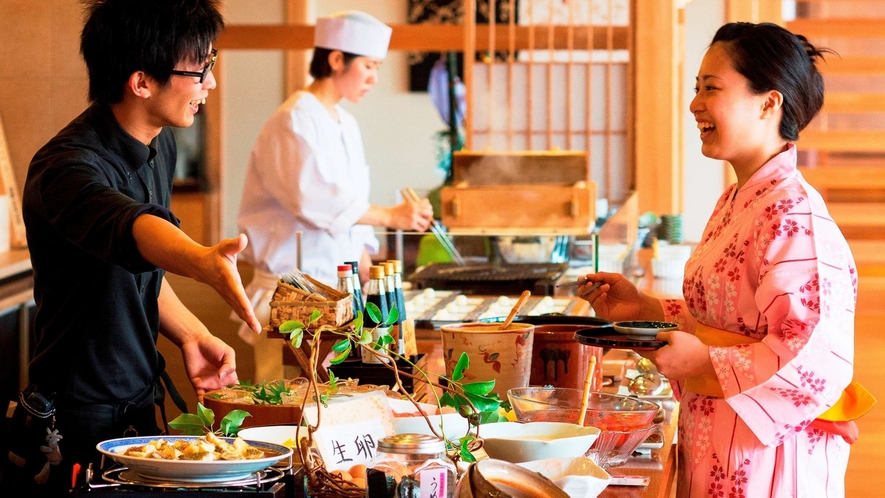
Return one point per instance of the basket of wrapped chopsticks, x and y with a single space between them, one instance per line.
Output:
298 295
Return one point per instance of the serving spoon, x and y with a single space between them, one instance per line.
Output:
516 307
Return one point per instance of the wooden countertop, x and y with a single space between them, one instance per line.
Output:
660 465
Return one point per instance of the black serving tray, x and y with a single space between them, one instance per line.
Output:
606 337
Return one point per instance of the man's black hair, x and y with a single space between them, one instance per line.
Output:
121 37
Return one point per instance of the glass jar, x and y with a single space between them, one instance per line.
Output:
411 466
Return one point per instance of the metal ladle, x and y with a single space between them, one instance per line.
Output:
648 382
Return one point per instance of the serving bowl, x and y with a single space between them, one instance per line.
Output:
608 412
492 477
521 442
616 416
580 477
613 448
643 329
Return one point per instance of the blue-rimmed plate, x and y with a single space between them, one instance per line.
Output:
188 470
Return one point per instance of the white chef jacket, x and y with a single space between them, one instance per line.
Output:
306 172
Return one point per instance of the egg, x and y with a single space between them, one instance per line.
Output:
359 482
429 292
546 301
461 300
358 471
343 474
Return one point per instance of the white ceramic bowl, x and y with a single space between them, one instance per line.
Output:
643 329
580 477
283 435
517 442
454 425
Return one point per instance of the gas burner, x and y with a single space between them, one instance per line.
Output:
127 477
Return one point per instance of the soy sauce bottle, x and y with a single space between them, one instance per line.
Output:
400 303
376 294
357 285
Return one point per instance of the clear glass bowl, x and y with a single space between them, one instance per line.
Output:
613 448
624 421
608 412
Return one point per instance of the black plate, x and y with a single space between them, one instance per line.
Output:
608 338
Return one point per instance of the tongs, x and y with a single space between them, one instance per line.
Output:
438 232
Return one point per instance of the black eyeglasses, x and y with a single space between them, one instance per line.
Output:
200 74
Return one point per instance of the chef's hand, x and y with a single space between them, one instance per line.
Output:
684 356
209 363
222 275
618 299
411 215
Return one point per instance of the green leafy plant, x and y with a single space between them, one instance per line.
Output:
474 400
265 393
202 422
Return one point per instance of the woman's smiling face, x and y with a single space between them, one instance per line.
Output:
730 117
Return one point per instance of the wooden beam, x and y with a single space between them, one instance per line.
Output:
846 177
838 28
423 37
854 102
754 11
852 66
858 214
843 141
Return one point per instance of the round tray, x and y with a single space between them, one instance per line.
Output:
608 338
125 476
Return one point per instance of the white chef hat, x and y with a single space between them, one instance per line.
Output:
354 32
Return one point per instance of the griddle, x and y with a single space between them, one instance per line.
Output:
489 278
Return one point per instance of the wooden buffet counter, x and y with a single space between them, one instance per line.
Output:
659 465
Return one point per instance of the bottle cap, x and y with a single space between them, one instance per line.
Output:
412 443
346 268
397 265
388 268
376 271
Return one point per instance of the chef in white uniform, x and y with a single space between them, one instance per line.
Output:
307 172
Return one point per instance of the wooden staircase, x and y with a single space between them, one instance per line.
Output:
842 153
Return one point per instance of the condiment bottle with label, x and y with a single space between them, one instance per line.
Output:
358 304
400 303
377 295
411 466
345 284
357 285
391 301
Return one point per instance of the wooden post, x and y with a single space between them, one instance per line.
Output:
17 239
659 107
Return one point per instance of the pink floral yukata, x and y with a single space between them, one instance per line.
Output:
772 265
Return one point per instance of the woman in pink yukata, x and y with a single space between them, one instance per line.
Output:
766 339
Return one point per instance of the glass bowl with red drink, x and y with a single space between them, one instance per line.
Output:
617 417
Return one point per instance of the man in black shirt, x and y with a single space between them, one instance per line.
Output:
101 236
